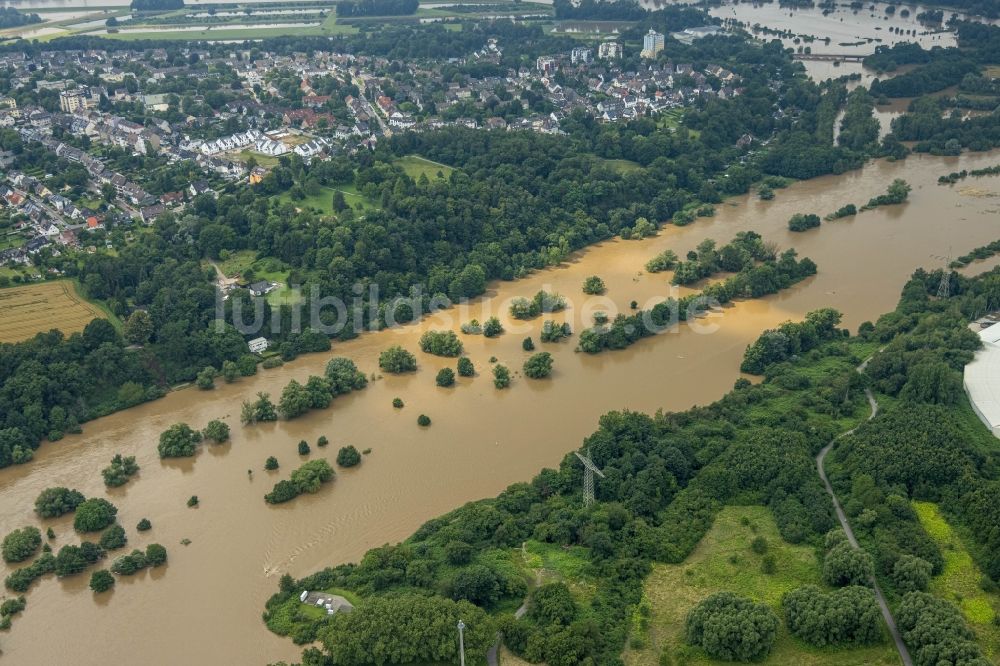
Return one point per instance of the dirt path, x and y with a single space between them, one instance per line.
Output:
890 621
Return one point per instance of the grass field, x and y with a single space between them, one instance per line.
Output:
959 582
415 165
237 262
622 166
323 201
37 308
723 560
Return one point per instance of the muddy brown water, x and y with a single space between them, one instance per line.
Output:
204 606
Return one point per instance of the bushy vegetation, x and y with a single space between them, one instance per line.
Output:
753 282
440 343
54 502
803 222
308 478
523 308
732 628
94 514
848 616
538 366
348 456
119 471
341 377
397 360
178 441
21 544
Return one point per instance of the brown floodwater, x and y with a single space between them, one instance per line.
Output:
204 606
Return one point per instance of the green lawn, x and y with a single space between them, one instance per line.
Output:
415 165
959 582
323 201
261 159
237 262
622 166
723 560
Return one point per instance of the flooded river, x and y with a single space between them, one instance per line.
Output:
204 607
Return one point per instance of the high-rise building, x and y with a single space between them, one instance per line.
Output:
609 51
581 55
652 43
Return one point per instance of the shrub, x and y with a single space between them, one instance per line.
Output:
72 560
304 448
397 403
21 544
911 573
156 555
119 471
54 502
492 328
664 261
144 525
594 286
554 332
732 628
759 545
126 565
178 441
397 360
94 515
803 222
216 430
934 629
538 366
308 478
260 410
101 581
192 501
423 420
271 463
441 343
472 327
465 367
445 377
501 376
849 616
272 362
348 456
528 344
322 441
113 537
844 565
206 379
458 552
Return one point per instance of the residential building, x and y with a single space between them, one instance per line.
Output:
652 44
609 51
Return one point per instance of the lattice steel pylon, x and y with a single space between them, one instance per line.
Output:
944 287
589 470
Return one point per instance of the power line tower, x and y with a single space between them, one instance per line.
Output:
589 470
944 287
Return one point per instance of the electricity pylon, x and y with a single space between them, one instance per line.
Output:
589 470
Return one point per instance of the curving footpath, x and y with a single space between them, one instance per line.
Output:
890 621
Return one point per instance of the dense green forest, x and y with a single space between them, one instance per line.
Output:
667 475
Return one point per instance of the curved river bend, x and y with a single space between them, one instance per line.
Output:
204 607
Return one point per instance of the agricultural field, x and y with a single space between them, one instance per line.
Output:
959 583
723 560
37 308
415 165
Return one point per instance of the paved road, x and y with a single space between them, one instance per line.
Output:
890 621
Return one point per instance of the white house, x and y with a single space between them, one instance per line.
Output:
257 345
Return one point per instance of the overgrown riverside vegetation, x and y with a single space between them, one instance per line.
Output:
758 273
668 476
308 478
956 176
516 201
